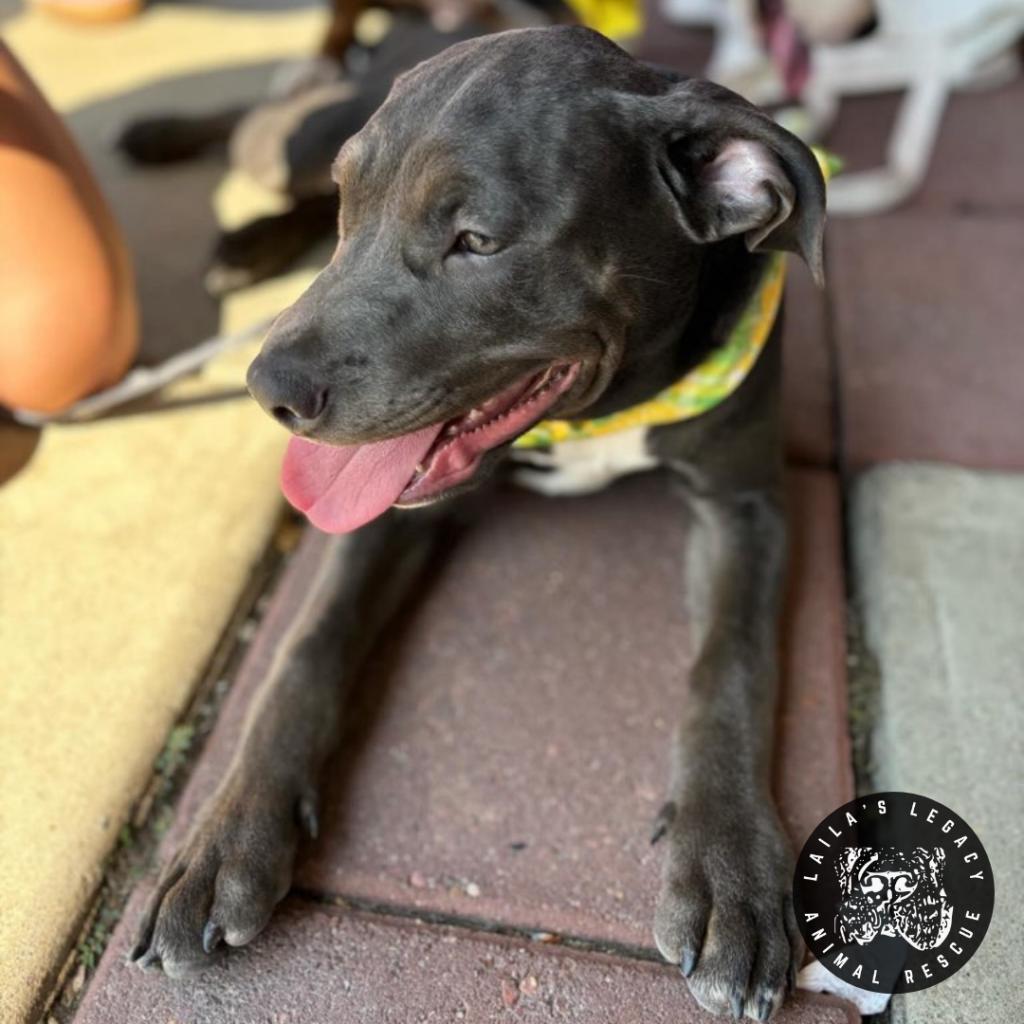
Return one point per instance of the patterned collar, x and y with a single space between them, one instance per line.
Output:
700 389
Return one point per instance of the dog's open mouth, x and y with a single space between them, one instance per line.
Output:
340 488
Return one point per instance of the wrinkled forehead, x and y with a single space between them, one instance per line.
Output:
413 164
471 142
523 106
438 171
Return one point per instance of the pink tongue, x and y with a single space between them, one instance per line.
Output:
340 489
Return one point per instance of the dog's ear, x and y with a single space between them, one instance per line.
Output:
734 171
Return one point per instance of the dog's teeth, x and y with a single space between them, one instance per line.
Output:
420 468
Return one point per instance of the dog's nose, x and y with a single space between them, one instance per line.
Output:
289 395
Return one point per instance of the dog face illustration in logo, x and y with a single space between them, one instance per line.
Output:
893 892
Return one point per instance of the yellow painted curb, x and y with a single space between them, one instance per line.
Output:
79 64
124 544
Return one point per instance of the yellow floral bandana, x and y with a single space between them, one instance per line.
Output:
708 383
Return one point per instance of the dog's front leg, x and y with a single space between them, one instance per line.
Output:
724 912
236 863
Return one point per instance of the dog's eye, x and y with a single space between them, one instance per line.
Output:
475 243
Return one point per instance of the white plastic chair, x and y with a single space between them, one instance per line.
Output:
739 59
927 48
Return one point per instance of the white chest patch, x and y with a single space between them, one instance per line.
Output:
584 465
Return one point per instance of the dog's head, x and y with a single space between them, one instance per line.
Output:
522 228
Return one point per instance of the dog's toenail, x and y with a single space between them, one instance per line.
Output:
736 1002
212 935
149 959
664 818
688 963
764 1008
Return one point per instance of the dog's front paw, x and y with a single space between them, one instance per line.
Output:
224 883
725 912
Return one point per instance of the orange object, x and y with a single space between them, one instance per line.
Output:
90 11
68 317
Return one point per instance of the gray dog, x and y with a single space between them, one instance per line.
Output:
534 224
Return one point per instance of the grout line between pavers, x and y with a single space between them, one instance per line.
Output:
862 676
627 952
839 461
861 665
402 912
